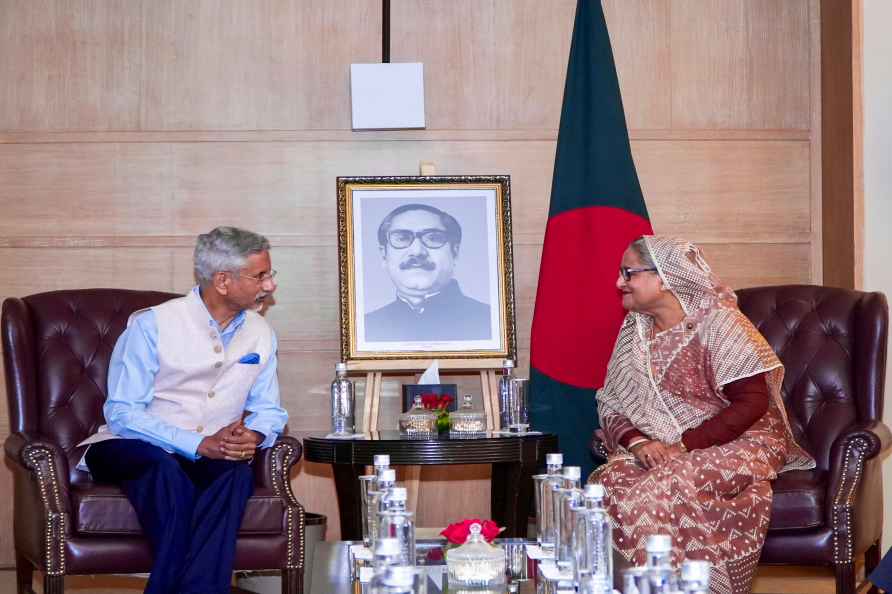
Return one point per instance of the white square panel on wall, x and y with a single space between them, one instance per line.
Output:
387 96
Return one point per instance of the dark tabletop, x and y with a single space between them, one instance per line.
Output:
489 449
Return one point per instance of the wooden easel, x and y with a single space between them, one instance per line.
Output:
487 369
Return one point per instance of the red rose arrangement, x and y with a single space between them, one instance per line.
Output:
458 533
439 403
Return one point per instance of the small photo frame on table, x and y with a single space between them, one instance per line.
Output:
426 268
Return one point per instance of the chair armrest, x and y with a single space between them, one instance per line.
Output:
272 469
597 445
859 443
41 457
273 464
41 468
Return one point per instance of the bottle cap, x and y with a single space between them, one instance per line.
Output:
397 494
554 459
594 491
572 472
387 546
387 475
508 363
340 366
695 571
658 543
381 460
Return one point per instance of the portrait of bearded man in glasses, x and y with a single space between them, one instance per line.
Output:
419 247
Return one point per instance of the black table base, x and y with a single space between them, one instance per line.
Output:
514 460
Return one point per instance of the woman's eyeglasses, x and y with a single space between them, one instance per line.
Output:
627 272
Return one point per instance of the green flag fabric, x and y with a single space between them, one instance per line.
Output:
597 209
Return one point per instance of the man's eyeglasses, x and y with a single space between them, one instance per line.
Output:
432 239
260 278
627 272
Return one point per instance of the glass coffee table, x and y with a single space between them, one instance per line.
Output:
332 569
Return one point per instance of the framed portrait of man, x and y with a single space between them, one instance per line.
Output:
426 267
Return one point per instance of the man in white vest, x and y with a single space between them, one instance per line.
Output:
192 394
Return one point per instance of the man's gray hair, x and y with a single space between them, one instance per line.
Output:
225 249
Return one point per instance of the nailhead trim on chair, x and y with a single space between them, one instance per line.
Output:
843 502
282 487
40 461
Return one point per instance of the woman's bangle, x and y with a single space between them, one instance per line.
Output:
637 442
682 446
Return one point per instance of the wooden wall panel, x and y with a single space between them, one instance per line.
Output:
270 64
727 190
73 65
640 36
741 64
488 63
32 270
85 189
149 189
741 265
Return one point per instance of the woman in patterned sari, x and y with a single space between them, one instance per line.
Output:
692 417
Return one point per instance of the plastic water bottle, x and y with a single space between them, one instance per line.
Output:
658 551
380 462
695 576
551 488
387 553
565 498
395 521
544 484
342 402
593 539
385 482
397 579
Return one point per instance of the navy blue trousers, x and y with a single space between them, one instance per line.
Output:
882 575
189 510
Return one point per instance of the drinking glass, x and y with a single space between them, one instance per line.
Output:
519 415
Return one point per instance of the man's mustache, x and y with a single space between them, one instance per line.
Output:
417 262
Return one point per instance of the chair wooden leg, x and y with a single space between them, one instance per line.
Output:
53 584
292 581
871 560
24 574
845 578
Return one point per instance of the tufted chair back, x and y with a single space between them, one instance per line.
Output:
832 343
74 333
56 352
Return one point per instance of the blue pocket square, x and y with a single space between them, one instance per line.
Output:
250 359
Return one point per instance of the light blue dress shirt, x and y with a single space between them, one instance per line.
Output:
131 381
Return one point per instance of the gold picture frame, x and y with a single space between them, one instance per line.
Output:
426 269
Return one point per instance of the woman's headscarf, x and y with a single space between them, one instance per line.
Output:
736 350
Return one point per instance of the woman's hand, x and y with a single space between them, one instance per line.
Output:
654 452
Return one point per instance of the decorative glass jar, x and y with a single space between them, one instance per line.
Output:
475 564
418 421
466 421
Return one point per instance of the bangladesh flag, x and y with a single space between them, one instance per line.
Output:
597 209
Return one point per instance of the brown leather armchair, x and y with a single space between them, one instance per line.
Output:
56 350
833 346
